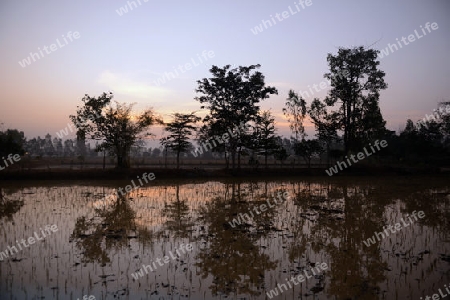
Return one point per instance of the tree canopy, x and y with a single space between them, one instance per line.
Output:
295 112
11 142
356 82
232 97
180 129
113 124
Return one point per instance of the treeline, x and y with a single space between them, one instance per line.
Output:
236 129
13 141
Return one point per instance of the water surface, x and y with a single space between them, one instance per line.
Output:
97 248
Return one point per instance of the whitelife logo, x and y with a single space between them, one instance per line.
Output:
281 196
436 116
181 69
124 9
360 155
274 292
52 48
436 296
398 227
31 240
11 158
221 139
391 48
323 85
111 197
266 24
166 259
71 126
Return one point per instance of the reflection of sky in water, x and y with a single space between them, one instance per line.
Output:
94 252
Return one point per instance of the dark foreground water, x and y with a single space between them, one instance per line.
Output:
181 233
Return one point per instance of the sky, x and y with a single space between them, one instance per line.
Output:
55 52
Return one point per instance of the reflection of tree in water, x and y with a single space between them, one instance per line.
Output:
178 221
435 204
232 255
8 207
111 228
341 218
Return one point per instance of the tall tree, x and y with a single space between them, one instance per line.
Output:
295 112
112 124
68 149
180 129
356 83
232 97
325 123
58 146
264 138
49 149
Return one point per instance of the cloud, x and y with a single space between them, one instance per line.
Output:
128 84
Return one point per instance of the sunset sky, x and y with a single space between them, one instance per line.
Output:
127 52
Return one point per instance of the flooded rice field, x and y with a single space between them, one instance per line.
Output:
348 238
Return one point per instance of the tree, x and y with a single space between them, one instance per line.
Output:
308 149
295 112
58 146
69 149
412 143
12 141
156 152
356 82
232 97
180 129
32 146
113 124
80 148
49 150
265 140
444 115
138 149
280 152
325 123
440 119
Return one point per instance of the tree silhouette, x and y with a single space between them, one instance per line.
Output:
356 82
232 97
11 142
325 123
295 112
114 125
264 140
307 149
180 129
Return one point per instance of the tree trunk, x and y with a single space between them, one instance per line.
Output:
104 158
122 158
233 159
227 159
265 159
239 158
328 155
119 161
165 160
